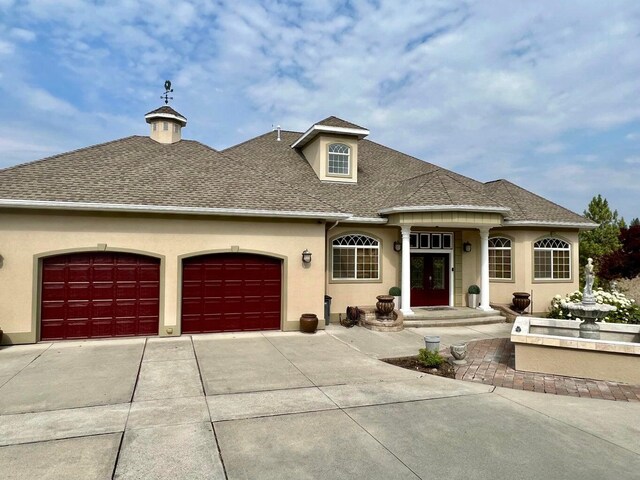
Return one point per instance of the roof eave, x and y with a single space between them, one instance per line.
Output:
317 129
550 223
150 116
170 209
445 208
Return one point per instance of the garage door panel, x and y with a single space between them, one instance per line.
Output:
99 294
53 292
233 292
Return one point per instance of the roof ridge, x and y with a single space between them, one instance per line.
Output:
473 189
77 150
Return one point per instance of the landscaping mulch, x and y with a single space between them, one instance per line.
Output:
412 363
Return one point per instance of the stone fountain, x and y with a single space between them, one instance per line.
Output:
589 310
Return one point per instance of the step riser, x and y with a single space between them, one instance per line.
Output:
459 322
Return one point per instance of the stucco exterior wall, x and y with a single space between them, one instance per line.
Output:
317 154
522 275
26 236
364 292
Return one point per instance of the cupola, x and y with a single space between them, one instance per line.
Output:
166 124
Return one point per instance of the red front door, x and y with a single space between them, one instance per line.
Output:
99 294
231 292
429 279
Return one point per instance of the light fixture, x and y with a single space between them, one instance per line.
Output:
1 261
466 246
397 246
306 256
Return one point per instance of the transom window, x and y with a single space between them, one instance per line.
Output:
339 154
551 259
431 241
356 257
500 258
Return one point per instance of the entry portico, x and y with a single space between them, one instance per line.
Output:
448 226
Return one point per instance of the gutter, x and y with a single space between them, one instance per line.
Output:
448 208
168 209
543 223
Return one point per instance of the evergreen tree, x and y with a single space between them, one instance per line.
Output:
603 239
635 222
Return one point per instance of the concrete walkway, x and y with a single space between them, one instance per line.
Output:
287 405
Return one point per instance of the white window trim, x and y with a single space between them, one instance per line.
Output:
552 249
347 155
510 248
355 265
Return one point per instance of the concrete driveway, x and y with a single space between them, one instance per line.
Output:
287 405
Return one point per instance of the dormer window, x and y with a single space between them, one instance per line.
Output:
339 159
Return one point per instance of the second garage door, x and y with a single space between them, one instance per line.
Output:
231 292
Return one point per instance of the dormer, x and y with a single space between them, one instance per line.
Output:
331 148
166 124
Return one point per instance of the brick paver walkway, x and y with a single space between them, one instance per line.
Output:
492 362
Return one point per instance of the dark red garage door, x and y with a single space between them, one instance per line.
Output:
230 292
99 294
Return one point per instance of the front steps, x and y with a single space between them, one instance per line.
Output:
458 317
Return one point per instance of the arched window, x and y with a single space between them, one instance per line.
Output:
500 258
339 159
551 259
355 257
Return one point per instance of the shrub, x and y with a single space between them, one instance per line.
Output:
395 291
429 358
627 309
474 289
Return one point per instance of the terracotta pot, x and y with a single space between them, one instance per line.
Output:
385 305
308 323
521 301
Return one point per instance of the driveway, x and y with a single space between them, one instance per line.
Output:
287 405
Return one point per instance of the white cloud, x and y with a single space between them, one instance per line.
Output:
632 160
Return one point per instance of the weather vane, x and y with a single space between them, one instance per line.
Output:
168 90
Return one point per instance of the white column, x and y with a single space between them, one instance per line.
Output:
484 269
406 272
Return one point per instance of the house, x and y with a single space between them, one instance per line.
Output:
161 236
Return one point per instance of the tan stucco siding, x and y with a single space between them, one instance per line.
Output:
364 292
26 237
522 275
311 152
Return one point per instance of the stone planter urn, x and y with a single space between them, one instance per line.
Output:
521 301
308 323
385 306
459 353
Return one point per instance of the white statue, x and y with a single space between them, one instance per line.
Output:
588 278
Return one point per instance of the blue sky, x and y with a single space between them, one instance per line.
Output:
543 93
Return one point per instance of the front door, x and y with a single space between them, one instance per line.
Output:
429 279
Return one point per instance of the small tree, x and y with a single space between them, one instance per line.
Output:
625 261
603 239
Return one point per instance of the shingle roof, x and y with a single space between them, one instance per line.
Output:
529 207
165 109
140 171
338 122
261 174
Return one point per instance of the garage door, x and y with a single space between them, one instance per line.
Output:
230 293
99 294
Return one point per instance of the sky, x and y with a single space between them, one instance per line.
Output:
545 94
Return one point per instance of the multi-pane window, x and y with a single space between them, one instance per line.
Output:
500 258
356 257
551 259
338 159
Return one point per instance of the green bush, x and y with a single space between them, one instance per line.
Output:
474 289
627 311
395 291
430 358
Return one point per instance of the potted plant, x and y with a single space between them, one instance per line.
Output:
397 294
473 296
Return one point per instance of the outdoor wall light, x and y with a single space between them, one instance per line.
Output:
1 261
397 246
306 256
466 246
